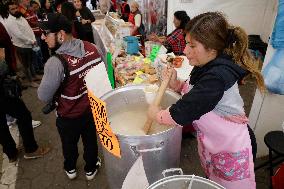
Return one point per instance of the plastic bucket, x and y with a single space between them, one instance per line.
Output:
132 44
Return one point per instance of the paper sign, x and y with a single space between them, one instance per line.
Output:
97 80
139 73
110 70
147 61
137 58
154 52
138 80
108 139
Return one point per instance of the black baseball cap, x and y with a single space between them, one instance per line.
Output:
56 22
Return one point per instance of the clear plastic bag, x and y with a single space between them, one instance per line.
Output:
277 38
273 73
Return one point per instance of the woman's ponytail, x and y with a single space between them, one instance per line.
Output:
237 47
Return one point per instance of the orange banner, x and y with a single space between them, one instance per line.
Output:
107 137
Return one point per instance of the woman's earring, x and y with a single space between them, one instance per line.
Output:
61 38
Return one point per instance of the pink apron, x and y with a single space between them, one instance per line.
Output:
225 151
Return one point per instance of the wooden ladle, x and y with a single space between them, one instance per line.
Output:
158 99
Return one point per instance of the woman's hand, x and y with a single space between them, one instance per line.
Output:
162 39
83 21
133 30
166 74
152 111
78 13
153 37
34 43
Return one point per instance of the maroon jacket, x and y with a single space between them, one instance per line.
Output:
74 101
6 42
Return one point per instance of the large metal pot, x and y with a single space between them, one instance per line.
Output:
184 182
143 157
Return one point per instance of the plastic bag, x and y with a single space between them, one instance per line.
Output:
273 73
277 38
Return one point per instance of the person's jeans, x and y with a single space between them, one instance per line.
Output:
70 131
26 57
16 108
37 56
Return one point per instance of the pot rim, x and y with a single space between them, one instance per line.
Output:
134 86
184 178
140 86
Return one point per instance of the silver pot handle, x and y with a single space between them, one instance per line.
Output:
150 150
172 170
156 149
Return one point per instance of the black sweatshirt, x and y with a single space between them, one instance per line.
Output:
209 84
87 15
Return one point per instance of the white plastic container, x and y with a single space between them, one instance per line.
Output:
150 93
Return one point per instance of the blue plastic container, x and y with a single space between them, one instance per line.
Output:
132 44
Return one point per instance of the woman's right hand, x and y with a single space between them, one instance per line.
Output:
83 21
153 37
166 74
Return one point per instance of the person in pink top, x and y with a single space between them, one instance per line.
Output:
211 101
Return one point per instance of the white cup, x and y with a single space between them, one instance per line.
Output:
150 93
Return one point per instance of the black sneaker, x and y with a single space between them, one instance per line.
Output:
91 175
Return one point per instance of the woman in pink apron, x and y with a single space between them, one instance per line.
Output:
211 99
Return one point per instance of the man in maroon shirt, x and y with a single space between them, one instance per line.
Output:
64 78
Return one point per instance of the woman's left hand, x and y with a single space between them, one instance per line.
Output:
152 111
162 39
78 13
155 38
152 36
83 21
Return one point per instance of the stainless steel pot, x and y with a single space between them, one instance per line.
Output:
142 156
